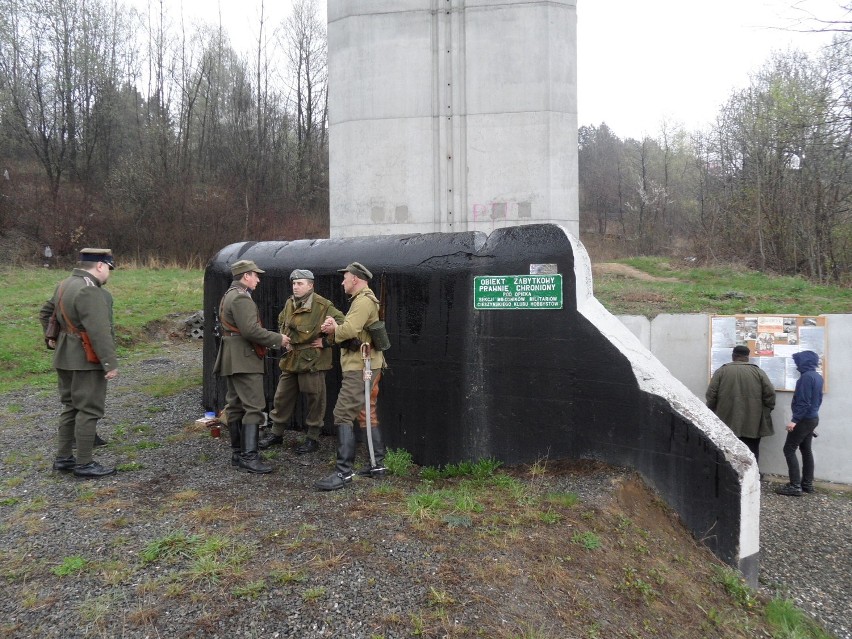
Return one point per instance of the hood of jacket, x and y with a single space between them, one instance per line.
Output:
806 361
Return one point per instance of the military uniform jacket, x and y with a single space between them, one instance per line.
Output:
743 397
301 322
89 307
236 352
363 311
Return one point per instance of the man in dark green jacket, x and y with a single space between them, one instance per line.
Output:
241 361
84 358
742 396
304 365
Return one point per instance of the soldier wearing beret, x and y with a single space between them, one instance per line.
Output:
304 365
363 311
241 362
84 358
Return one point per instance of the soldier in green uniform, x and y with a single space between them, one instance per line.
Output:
84 358
304 365
363 311
241 362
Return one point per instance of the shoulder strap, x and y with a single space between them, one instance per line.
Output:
69 325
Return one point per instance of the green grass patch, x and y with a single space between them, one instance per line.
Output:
790 622
71 566
723 291
398 462
169 385
735 586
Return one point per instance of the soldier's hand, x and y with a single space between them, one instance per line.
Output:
285 342
111 374
317 343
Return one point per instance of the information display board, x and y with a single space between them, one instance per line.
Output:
772 340
513 292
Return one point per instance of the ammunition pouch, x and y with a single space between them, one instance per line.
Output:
379 336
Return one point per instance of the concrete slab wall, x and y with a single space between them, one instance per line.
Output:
681 343
451 115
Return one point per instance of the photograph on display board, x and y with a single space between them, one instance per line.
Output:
772 340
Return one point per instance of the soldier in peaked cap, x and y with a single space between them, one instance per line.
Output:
241 362
363 311
304 365
84 358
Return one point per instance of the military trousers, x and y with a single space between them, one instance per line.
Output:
290 386
83 396
245 398
350 399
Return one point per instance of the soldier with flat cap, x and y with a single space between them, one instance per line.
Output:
363 311
84 358
304 365
241 362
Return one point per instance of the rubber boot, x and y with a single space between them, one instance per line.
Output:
379 469
235 430
345 456
250 461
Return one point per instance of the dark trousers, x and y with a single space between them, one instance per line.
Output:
753 444
800 438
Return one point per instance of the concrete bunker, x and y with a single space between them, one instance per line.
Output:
516 385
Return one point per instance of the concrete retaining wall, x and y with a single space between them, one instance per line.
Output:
681 343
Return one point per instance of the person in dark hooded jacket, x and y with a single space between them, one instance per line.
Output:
807 399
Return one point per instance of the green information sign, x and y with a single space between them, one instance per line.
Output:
510 292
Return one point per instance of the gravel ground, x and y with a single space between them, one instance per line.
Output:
369 571
806 551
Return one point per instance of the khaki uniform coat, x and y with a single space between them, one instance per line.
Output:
236 353
301 322
363 311
89 307
743 397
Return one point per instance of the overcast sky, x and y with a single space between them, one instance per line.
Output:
639 63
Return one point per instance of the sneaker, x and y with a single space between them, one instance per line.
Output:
790 490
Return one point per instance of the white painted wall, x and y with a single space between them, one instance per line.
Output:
681 343
452 115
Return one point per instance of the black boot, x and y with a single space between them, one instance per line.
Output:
270 440
379 469
64 463
250 461
92 470
310 445
235 429
790 490
807 487
345 456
